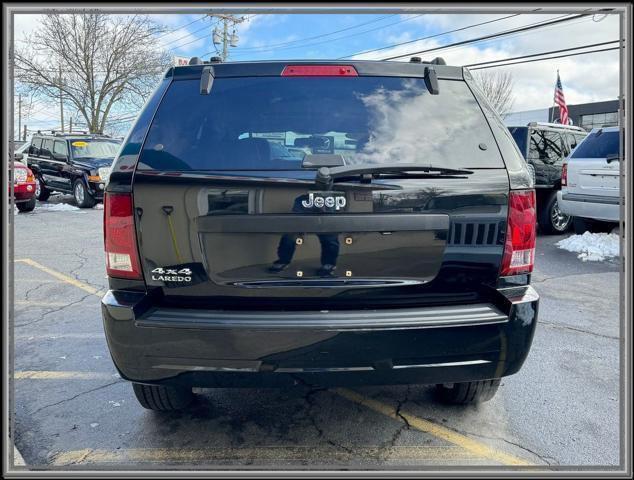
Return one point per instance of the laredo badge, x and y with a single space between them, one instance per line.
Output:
183 275
172 275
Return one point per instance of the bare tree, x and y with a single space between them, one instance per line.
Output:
92 62
498 88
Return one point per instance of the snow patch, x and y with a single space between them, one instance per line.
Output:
592 247
58 207
99 206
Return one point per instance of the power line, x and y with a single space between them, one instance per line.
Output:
547 58
181 27
430 36
528 32
539 54
349 36
197 38
184 36
273 45
503 33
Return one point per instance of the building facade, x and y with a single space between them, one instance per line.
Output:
584 115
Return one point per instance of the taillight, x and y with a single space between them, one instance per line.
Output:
564 174
29 176
319 71
122 256
519 248
20 175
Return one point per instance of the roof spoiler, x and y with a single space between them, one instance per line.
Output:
431 80
206 80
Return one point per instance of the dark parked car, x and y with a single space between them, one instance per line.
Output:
72 163
397 250
544 146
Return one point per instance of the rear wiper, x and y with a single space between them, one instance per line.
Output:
326 176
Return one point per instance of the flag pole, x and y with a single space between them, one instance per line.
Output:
552 113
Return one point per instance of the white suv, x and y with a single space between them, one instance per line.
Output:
590 182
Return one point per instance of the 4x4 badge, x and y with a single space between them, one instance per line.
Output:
172 274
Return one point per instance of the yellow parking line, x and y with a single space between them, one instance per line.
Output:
60 276
57 375
33 280
34 303
315 454
58 336
477 448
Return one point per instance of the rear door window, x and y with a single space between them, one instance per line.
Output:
598 144
271 123
546 146
47 148
574 139
36 145
60 148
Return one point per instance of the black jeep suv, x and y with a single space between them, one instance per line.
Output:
275 223
544 147
77 163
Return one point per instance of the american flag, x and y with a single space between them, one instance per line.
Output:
561 101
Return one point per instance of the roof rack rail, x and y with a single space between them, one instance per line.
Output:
555 125
59 133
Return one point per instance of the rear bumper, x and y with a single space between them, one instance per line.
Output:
96 189
23 192
589 206
206 348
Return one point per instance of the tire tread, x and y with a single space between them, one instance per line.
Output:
468 392
162 397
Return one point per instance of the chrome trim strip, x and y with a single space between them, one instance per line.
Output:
445 364
200 368
327 320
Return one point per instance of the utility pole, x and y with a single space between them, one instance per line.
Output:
224 37
19 115
61 100
70 126
24 134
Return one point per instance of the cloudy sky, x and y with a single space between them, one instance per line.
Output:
585 78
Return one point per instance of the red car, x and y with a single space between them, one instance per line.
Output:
24 187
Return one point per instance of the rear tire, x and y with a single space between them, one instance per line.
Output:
26 206
162 398
467 392
41 192
552 221
582 225
82 196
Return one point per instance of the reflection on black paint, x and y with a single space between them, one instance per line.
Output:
288 243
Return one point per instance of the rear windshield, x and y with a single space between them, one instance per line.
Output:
519 135
271 123
598 145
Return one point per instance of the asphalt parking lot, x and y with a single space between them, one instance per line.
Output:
72 410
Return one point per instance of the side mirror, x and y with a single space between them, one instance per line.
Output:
60 156
18 156
612 157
